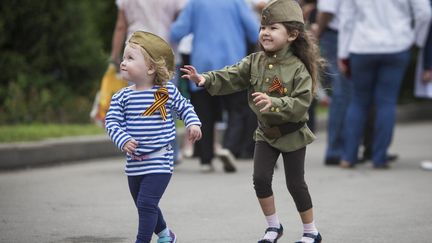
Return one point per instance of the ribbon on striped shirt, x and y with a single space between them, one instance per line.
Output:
161 97
276 86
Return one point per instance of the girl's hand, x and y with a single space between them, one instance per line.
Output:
262 99
192 74
130 146
427 76
194 133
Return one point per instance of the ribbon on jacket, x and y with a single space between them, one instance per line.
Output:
161 97
276 86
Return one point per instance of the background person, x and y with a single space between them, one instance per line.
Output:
214 46
378 51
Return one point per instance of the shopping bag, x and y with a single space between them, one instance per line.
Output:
110 84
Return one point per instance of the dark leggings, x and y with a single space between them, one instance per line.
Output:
147 191
264 162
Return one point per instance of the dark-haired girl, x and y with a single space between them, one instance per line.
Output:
281 81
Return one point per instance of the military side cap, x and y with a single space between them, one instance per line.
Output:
155 46
277 11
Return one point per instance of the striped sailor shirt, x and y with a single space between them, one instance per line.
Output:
125 120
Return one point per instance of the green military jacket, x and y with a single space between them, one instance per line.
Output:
256 73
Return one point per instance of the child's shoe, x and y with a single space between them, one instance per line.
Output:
316 238
279 231
207 168
346 165
227 159
172 238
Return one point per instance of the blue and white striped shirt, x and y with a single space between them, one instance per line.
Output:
124 121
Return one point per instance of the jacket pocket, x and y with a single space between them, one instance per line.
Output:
253 83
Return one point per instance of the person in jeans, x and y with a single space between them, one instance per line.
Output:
375 39
326 31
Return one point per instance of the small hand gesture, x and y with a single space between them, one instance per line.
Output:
130 146
262 99
194 133
192 74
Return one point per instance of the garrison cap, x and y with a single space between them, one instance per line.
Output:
277 11
155 46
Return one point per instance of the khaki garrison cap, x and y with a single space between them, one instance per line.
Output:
277 11
155 46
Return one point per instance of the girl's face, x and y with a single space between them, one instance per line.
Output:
135 67
274 37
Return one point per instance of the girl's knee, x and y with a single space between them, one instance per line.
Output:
301 196
148 203
296 188
262 186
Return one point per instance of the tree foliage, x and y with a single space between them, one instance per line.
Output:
52 56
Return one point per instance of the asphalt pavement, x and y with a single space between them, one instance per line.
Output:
88 200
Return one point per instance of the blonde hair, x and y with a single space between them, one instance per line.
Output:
163 75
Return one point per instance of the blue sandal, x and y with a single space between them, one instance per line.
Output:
279 231
317 238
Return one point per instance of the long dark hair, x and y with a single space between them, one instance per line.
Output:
306 49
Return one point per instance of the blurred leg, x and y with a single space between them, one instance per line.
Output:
236 106
340 97
386 94
248 145
363 68
203 105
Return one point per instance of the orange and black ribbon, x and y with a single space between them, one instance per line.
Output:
161 97
276 86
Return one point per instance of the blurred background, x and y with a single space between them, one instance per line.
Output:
53 56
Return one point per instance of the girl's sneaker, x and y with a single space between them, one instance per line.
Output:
172 238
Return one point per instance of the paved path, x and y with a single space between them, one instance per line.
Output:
89 201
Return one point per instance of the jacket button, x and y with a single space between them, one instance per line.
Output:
285 90
272 109
270 66
267 80
277 109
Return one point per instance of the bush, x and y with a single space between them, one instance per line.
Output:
52 58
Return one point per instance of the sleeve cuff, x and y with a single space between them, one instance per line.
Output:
122 144
276 105
194 123
207 83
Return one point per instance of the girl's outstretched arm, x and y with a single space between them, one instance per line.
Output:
192 74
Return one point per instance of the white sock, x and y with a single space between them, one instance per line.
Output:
164 232
272 221
311 229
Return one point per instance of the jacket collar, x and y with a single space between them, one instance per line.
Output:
283 53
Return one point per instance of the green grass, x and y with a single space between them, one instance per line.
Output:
35 132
